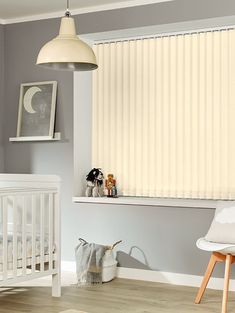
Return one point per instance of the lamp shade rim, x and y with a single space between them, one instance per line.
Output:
69 66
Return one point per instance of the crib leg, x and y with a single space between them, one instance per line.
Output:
56 285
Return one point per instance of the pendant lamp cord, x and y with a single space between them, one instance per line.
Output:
67 13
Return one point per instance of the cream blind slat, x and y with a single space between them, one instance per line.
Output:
138 116
231 112
145 123
173 114
224 50
112 104
106 109
217 113
195 111
209 113
95 111
163 115
132 126
119 104
152 119
180 111
187 117
158 126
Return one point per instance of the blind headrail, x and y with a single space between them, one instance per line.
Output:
164 34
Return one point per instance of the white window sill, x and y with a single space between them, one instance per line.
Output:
167 202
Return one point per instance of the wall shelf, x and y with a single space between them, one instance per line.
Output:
57 137
145 201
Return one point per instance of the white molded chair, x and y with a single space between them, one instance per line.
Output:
220 253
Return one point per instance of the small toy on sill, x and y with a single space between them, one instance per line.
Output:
95 183
110 187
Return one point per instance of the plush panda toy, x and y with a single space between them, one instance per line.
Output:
95 183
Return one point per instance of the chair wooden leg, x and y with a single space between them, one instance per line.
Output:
206 278
229 261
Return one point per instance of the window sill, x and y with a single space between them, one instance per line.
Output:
144 201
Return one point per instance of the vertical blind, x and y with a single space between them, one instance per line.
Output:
164 115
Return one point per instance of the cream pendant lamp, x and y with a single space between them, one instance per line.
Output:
67 51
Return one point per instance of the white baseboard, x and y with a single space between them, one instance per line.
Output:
155 276
69 277
172 278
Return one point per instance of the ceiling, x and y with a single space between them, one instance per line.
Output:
20 9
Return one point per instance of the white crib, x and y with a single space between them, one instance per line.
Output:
29 229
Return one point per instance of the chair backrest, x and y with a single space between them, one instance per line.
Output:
222 229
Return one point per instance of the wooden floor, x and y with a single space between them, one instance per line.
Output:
126 296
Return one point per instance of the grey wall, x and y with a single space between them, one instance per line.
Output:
161 13
1 96
166 235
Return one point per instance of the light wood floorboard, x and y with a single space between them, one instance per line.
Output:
119 296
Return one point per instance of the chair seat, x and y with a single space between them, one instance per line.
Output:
224 248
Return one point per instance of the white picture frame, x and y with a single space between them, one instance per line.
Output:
36 112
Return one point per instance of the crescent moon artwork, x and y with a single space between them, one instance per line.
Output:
28 99
37 107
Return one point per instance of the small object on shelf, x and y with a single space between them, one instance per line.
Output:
95 183
110 186
114 192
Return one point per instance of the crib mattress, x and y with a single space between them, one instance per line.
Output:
20 251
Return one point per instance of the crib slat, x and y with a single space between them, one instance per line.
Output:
5 238
14 236
56 278
24 252
42 232
50 232
33 200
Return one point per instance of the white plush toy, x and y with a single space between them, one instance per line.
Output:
95 183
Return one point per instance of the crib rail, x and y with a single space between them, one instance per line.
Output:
11 190
29 229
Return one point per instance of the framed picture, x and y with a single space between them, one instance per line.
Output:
36 115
